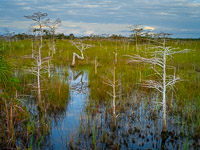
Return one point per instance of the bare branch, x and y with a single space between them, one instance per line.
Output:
81 47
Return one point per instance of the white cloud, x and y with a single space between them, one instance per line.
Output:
17 25
90 6
21 4
115 8
149 28
72 12
27 8
49 8
89 32
163 13
82 28
37 26
166 14
80 5
195 5
108 16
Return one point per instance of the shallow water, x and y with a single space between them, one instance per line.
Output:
136 127
138 124
65 125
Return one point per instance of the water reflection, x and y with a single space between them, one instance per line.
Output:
139 126
65 126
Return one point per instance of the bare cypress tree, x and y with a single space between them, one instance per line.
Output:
114 84
9 35
158 61
81 47
32 41
137 32
38 69
53 26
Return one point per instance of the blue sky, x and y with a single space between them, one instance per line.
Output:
84 17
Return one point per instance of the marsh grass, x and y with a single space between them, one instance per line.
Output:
14 115
184 101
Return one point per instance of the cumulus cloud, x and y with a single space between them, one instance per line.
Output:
111 17
20 26
90 6
89 32
82 28
37 26
149 28
27 8
21 4
115 8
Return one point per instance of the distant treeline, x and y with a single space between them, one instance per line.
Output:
47 35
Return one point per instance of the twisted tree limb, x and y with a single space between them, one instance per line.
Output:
81 47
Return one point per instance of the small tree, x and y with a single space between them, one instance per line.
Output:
9 35
38 67
52 49
158 61
81 47
113 83
137 32
53 26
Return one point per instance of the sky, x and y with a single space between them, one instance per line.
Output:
181 18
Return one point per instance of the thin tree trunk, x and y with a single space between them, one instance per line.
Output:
32 55
115 58
54 49
10 43
95 65
38 85
136 42
39 67
164 92
114 93
49 64
114 87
